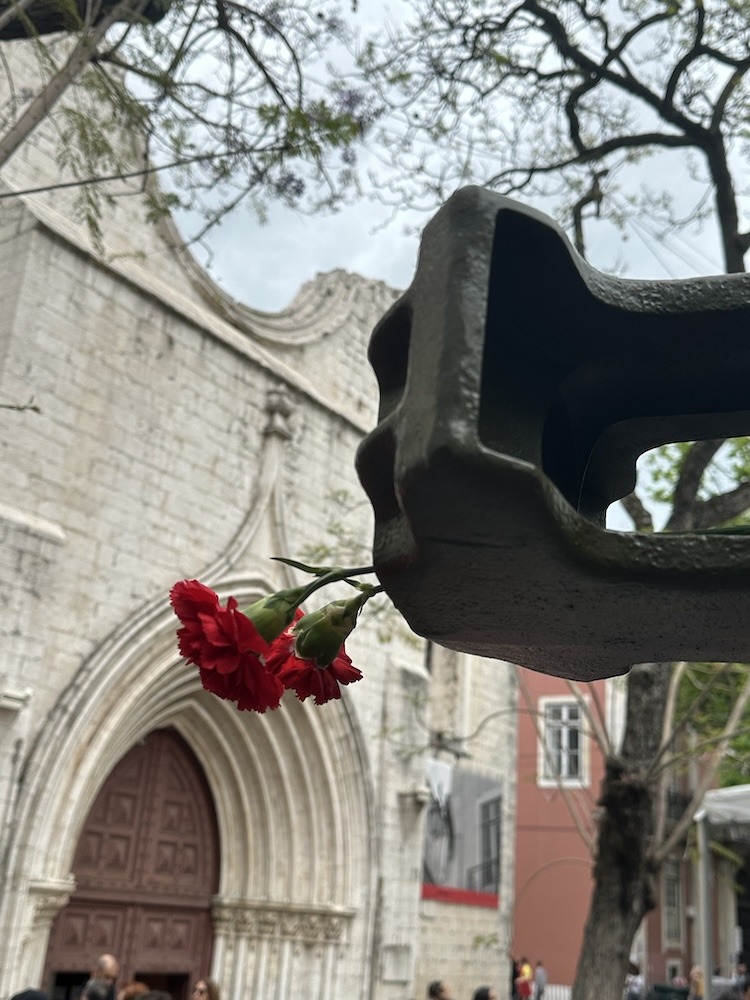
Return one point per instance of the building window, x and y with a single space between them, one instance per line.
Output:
674 970
672 903
485 877
562 750
462 836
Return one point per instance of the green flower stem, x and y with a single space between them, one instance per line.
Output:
370 591
323 570
335 576
354 605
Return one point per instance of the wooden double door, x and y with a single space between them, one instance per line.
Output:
146 867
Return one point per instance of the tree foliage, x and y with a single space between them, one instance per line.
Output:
571 104
704 484
560 99
706 694
233 100
580 106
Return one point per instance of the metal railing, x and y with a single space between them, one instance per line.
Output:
554 991
484 877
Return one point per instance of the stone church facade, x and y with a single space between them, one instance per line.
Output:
153 430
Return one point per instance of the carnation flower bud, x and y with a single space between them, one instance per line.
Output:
320 635
271 615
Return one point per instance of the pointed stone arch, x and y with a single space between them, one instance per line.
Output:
291 789
146 868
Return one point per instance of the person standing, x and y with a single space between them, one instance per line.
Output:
697 984
132 990
439 990
101 983
485 993
515 972
206 989
525 979
634 983
540 980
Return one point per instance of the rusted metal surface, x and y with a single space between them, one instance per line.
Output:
518 386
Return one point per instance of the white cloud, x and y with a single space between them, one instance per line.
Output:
264 265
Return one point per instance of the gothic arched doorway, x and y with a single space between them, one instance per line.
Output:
146 868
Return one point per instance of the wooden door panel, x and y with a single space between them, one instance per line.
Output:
168 939
83 931
146 867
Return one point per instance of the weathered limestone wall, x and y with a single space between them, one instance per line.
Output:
469 945
181 434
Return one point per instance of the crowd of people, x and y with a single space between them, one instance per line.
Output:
738 989
101 986
693 986
526 984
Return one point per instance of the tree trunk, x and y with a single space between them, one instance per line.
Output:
50 94
726 207
625 871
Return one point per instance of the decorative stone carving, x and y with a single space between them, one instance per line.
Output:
49 896
279 407
290 922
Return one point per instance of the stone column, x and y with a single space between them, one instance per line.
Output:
46 897
264 949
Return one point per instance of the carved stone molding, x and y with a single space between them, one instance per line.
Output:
291 922
279 407
49 896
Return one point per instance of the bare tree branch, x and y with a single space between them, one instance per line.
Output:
15 8
691 474
78 59
731 86
722 508
640 516
693 53
671 732
708 773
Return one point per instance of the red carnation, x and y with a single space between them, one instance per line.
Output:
252 688
305 676
226 646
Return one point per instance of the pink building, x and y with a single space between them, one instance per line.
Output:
553 874
560 768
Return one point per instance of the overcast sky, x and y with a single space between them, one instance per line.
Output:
264 265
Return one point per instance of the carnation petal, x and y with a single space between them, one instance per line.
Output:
188 597
225 646
305 677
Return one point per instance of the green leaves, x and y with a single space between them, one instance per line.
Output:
706 695
664 467
230 101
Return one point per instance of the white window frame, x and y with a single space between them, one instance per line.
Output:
676 913
544 778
